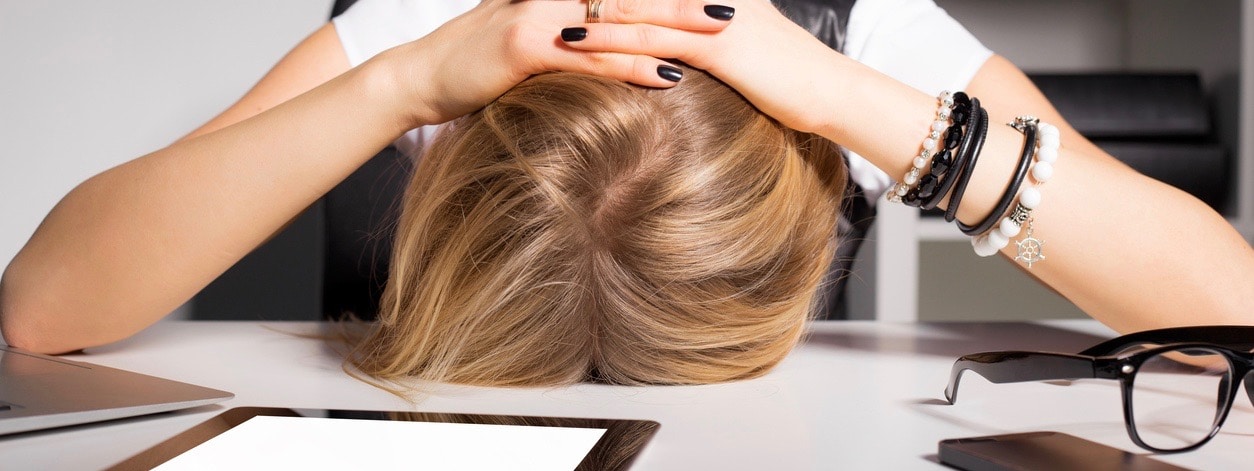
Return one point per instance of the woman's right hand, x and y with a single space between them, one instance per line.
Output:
765 56
476 57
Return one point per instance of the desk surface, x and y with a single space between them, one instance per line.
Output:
855 395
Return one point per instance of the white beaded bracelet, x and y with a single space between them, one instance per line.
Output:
943 111
1029 248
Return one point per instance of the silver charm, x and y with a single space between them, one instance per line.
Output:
1022 122
1029 248
1020 214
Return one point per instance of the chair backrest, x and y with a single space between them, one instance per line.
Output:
361 211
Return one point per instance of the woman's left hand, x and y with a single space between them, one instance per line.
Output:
769 59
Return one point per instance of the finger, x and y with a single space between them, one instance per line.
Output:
640 39
634 68
693 15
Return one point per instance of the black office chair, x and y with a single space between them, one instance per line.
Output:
360 212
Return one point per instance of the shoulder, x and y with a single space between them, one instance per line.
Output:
373 26
916 42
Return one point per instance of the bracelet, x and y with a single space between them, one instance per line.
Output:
1012 189
963 154
942 162
944 110
932 187
960 189
1029 249
948 163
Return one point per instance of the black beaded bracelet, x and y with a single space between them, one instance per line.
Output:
943 167
953 157
977 146
932 186
927 186
1012 190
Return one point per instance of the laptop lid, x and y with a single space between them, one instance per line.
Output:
39 392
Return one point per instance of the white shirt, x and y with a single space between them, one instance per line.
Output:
914 41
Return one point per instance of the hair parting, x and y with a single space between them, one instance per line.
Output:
582 229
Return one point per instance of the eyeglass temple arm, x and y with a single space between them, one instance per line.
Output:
1018 367
1249 387
1239 337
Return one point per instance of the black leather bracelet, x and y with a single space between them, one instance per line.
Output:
1012 190
960 189
960 154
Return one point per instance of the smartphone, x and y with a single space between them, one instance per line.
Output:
1041 451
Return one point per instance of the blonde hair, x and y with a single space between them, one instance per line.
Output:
582 229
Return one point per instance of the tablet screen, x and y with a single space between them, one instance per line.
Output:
257 438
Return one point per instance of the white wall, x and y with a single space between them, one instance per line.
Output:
86 85
1055 35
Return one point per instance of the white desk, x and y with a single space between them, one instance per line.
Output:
856 395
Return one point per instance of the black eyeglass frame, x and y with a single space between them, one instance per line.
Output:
1107 361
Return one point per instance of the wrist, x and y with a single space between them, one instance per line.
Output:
877 117
391 85
835 116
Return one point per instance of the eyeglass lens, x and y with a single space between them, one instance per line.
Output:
1177 396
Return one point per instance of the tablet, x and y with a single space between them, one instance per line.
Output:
269 438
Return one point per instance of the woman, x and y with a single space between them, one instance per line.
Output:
79 281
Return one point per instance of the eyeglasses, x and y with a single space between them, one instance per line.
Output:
1178 384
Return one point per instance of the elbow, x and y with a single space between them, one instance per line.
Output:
41 316
17 334
17 330
22 325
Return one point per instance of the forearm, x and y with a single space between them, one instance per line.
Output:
131 244
1138 254
1130 251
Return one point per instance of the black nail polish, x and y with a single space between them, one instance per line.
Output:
670 72
720 12
577 33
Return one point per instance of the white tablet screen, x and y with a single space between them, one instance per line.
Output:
271 442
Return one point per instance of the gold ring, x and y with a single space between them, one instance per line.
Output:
594 11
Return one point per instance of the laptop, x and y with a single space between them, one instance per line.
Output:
39 392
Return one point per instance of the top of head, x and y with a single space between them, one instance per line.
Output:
581 228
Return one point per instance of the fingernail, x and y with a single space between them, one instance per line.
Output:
720 12
670 72
573 34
